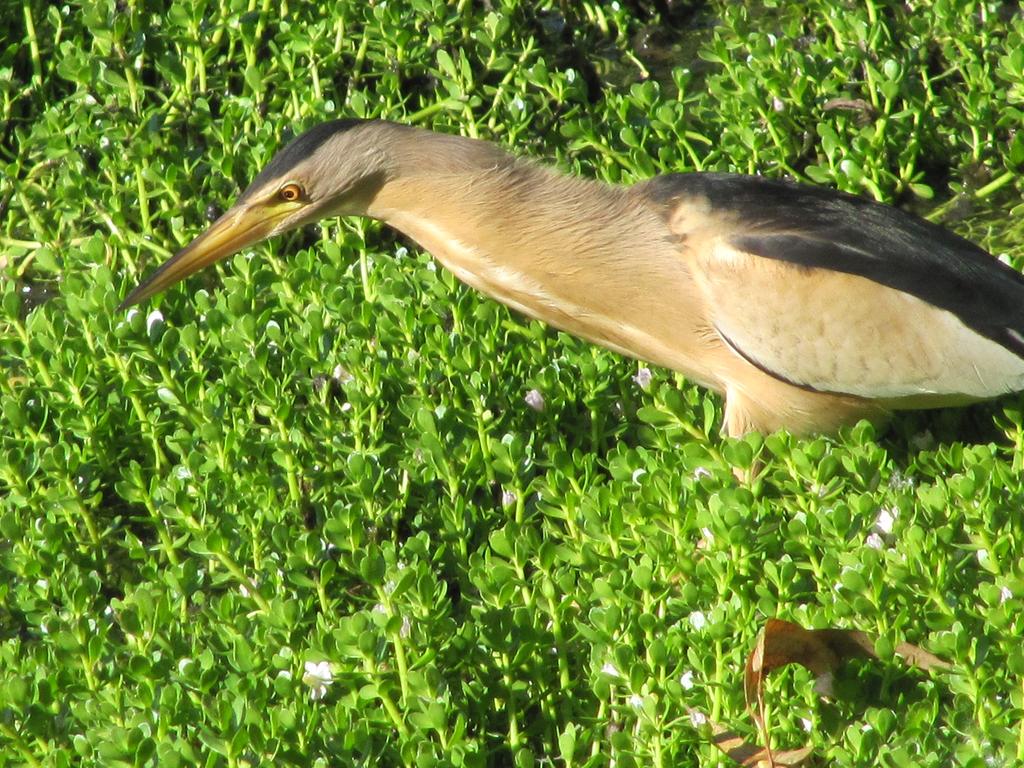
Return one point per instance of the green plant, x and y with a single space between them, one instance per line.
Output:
321 451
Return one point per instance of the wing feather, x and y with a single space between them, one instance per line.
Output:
840 294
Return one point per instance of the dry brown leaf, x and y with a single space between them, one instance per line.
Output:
821 651
853 105
920 658
750 755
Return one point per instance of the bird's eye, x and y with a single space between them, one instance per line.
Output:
291 192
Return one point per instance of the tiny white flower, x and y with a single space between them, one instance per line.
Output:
346 407
875 541
643 378
900 481
152 319
182 472
379 608
104 142
806 724
611 670
401 252
507 498
698 718
698 620
285 674
535 400
636 701
1004 594
778 104
244 590
886 519
518 104
406 628
982 555
686 680
42 583
328 546
824 684
317 676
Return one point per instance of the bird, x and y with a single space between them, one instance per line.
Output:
806 308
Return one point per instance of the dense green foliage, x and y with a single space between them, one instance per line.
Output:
322 451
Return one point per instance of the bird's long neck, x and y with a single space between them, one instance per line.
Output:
572 252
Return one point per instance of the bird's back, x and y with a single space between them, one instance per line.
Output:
817 227
837 295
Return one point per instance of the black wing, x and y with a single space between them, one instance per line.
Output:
818 227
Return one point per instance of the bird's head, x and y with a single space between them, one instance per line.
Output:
333 169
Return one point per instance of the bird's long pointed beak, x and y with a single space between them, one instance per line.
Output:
239 227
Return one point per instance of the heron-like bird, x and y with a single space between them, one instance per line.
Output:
806 308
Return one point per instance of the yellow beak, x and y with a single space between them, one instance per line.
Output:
236 229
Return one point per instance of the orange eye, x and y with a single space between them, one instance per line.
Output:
291 192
